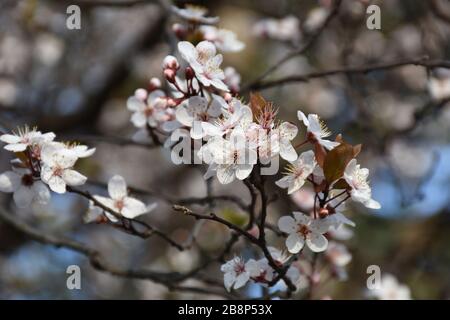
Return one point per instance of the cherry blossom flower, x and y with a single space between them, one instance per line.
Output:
56 171
78 150
196 110
224 40
285 29
148 112
25 188
338 254
120 202
195 14
390 289
301 229
234 113
259 270
298 172
317 130
236 274
204 61
356 178
233 158
282 136
25 138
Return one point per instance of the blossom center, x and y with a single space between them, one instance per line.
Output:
27 180
303 230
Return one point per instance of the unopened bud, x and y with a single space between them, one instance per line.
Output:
154 84
169 74
141 94
179 30
190 74
170 62
227 97
323 212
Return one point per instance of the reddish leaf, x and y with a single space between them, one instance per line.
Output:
257 103
336 161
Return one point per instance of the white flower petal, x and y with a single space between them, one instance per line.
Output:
294 243
73 178
117 187
9 181
287 224
23 196
316 242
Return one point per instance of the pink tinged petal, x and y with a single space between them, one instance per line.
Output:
184 116
117 187
372 204
287 151
294 243
154 96
288 130
9 181
316 242
228 280
65 158
314 124
73 178
109 203
287 224
46 173
302 117
283 182
225 174
295 185
207 48
241 280
319 226
187 50
134 104
41 192
10 138
139 119
219 84
243 171
301 218
57 184
170 126
329 145
23 196
17 147
211 130
133 208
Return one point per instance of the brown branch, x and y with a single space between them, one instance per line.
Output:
423 61
126 224
255 83
169 279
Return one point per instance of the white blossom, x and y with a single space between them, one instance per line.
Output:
224 40
25 138
338 254
259 270
196 110
317 130
233 158
298 172
26 189
390 289
205 63
234 113
56 171
149 112
236 274
120 202
285 29
304 229
194 14
356 178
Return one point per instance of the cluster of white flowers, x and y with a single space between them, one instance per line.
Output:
237 272
40 162
235 137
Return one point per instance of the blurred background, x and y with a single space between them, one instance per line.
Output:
76 82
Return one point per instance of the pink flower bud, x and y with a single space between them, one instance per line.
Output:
141 94
190 74
154 84
169 74
254 231
227 97
179 30
170 62
171 102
